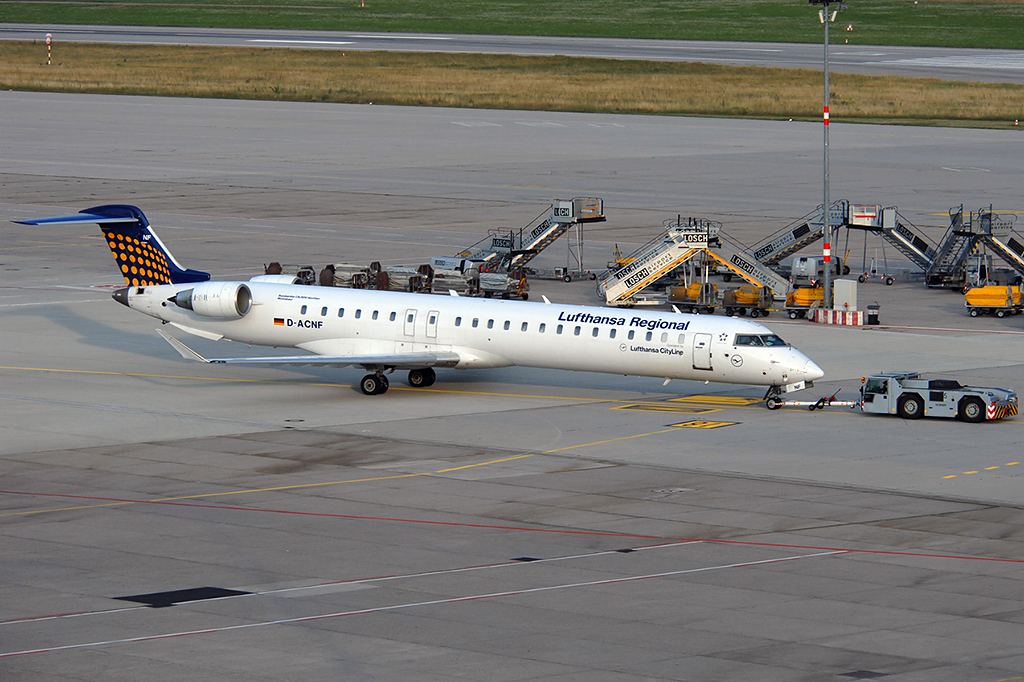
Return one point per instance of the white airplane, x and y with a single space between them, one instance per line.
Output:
382 331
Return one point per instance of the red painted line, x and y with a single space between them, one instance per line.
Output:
195 505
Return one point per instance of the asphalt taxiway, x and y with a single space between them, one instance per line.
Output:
165 520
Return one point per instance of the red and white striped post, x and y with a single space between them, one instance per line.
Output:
49 40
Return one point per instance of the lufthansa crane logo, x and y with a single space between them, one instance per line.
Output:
736 360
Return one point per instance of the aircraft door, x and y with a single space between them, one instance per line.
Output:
432 324
410 322
702 351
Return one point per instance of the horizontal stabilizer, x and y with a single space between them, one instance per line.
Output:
395 360
141 256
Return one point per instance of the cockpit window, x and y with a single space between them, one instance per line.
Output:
748 340
772 340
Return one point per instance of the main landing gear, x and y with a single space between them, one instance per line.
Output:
374 384
377 383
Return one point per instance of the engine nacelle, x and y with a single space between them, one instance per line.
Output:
276 279
226 300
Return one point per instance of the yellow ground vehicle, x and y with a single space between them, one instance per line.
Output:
994 299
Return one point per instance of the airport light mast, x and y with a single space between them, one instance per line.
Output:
826 208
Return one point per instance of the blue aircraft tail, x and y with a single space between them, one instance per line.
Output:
141 256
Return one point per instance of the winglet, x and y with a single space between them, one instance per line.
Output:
182 349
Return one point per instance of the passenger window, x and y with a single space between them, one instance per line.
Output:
490 324
524 326
681 338
649 335
374 316
664 337
507 325
359 313
341 312
576 332
433 319
410 317
476 322
393 316
542 327
611 334
458 321
323 311
302 311
595 332
558 330
631 335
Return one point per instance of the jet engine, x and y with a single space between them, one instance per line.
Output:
227 300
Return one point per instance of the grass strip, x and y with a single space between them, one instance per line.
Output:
503 82
942 23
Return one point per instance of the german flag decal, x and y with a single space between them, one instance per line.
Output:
279 321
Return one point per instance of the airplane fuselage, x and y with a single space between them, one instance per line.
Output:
487 333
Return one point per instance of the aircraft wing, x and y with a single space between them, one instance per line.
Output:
396 360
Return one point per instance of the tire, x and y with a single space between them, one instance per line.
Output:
1000 313
910 406
971 410
974 312
370 385
765 313
889 281
846 270
593 276
793 314
754 312
566 278
773 403
862 279
741 312
727 277
526 296
418 378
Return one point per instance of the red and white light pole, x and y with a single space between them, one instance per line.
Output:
826 206
49 40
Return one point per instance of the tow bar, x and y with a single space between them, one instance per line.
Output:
774 403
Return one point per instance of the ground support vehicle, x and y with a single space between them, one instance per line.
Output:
757 301
908 395
994 299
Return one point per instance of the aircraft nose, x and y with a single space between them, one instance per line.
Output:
812 371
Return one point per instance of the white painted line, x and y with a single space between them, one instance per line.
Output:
410 605
300 42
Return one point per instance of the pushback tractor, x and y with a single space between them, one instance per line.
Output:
909 396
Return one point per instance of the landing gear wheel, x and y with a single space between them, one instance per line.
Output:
971 410
373 384
773 403
910 406
421 378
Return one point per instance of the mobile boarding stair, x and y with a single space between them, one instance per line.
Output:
508 250
895 229
798 235
680 242
964 238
